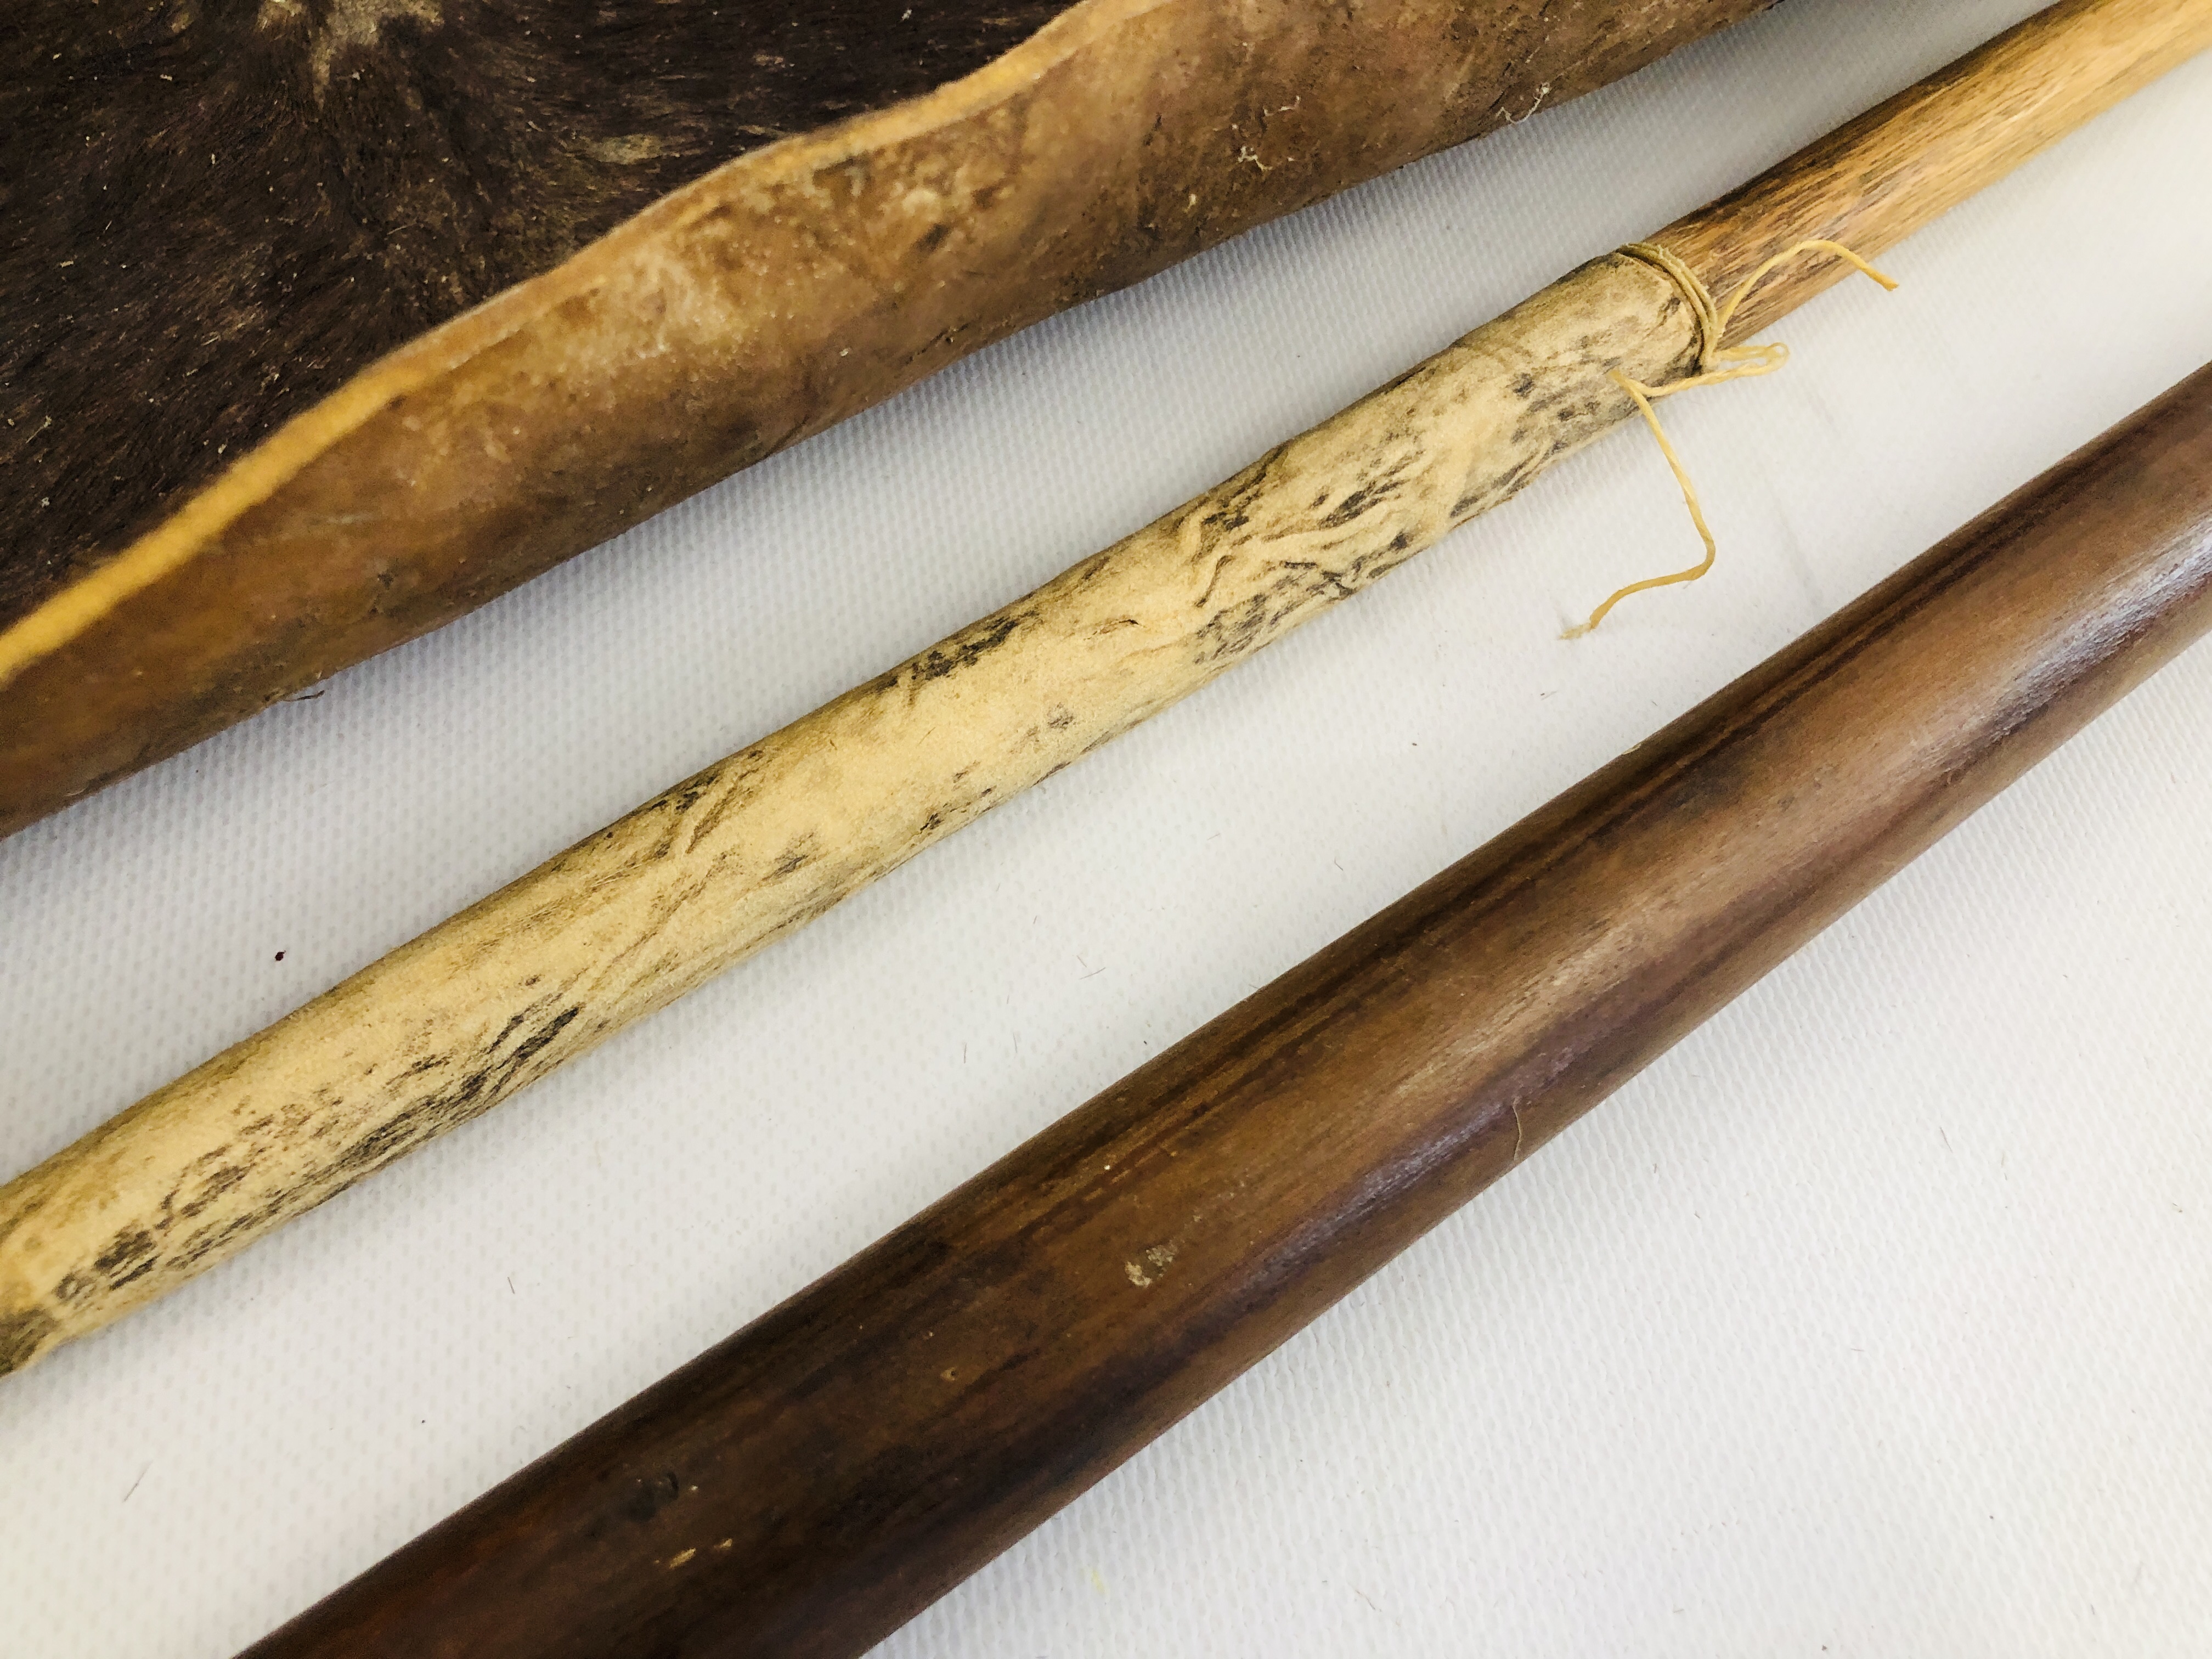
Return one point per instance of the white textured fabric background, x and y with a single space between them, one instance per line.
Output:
1876 1319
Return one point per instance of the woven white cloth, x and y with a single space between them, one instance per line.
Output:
1874 1319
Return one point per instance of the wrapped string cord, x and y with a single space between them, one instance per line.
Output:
1715 363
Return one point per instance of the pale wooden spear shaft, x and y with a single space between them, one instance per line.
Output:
763 843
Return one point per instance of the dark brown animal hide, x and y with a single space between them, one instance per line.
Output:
212 212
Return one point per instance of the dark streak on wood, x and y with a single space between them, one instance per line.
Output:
434 1114
138 1250
966 647
22 1336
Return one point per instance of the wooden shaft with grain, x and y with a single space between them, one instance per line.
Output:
761 843
808 1484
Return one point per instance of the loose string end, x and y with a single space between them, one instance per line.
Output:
1726 314
1715 363
1642 394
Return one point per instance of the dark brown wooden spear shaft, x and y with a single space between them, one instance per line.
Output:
816 1479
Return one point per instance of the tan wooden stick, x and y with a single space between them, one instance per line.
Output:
447 1026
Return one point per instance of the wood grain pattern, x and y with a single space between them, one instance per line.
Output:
1874 180
451 1023
728 860
394 162
811 1483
